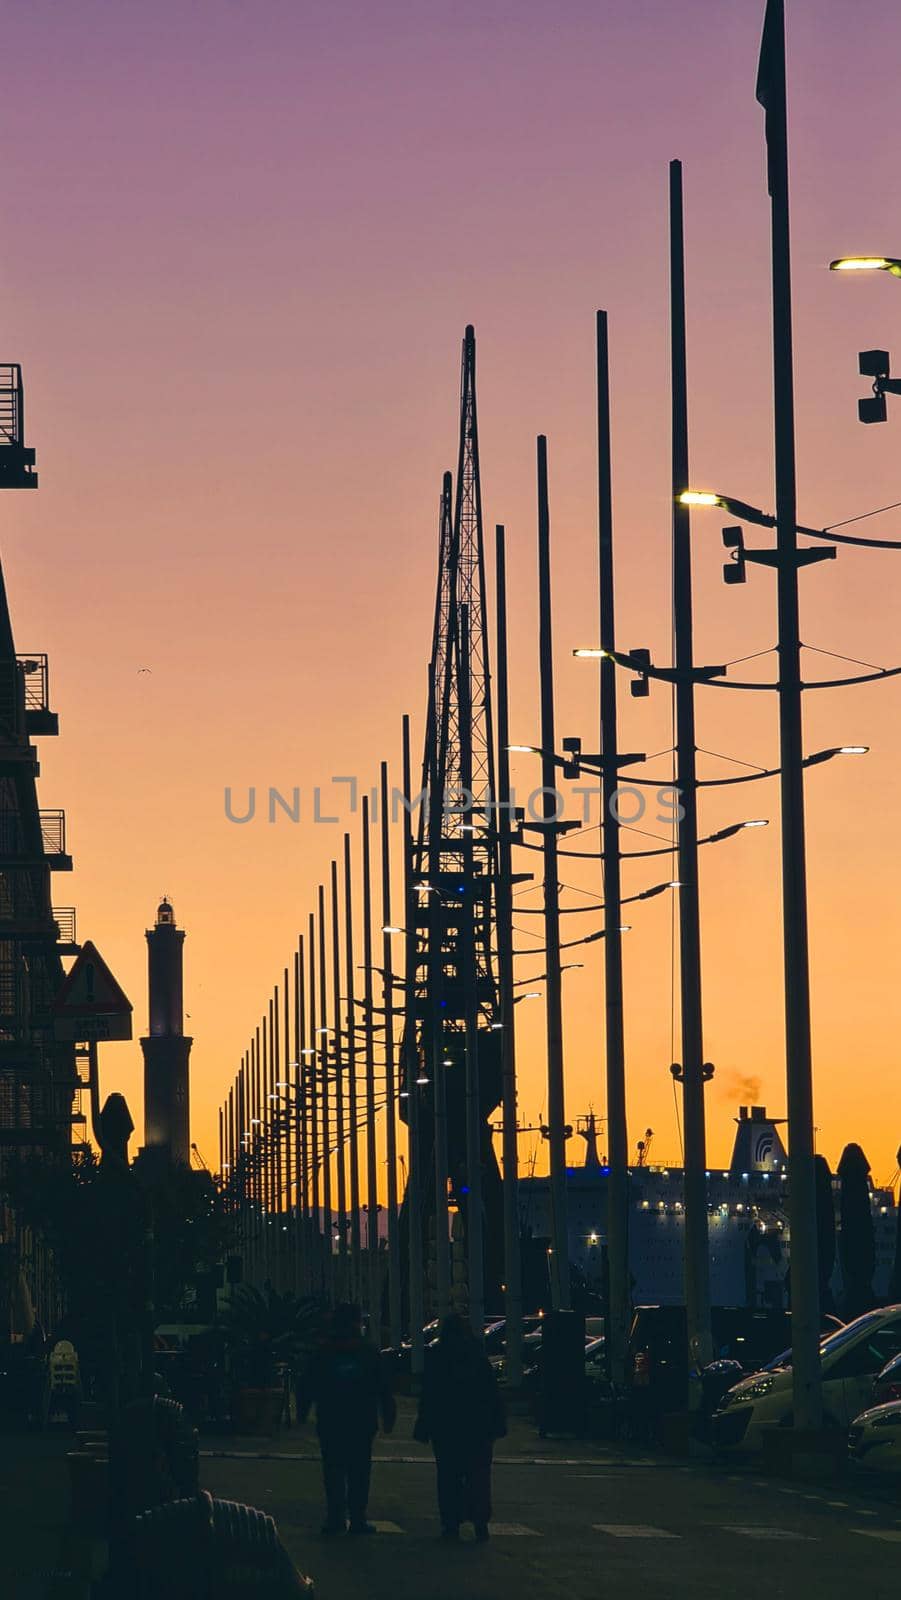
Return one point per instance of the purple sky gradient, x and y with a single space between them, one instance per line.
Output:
241 243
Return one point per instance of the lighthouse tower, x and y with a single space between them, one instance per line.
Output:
166 1049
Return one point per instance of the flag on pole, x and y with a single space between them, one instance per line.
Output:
771 94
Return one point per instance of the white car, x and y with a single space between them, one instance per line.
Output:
850 1360
874 1438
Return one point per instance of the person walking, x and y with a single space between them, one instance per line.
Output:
347 1383
461 1414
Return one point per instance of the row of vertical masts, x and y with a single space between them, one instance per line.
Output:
300 1103
458 952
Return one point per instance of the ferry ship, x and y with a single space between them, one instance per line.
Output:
750 1233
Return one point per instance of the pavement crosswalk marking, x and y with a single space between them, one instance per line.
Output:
387 1527
752 1532
509 1529
890 1535
626 1530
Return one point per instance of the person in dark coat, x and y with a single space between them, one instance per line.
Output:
347 1383
461 1413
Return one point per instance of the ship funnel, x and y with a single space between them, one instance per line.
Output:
758 1146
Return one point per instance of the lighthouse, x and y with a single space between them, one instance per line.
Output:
166 1049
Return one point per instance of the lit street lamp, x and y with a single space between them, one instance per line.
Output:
867 264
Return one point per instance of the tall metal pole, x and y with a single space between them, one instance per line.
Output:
269 1128
325 1108
246 1165
259 1171
697 1267
350 981
276 1137
617 1325
560 1283
301 1232
474 1212
411 1075
259 1135
339 1057
435 911
394 1297
316 1256
238 1203
254 1148
504 904
806 1374
289 1118
374 1277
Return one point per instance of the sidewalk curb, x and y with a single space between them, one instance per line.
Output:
428 1461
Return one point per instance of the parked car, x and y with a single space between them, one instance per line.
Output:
850 1359
399 1359
750 1343
887 1385
874 1438
596 1360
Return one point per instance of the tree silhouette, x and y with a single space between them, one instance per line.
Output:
895 1285
856 1245
825 1231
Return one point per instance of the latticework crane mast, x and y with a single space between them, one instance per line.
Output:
454 850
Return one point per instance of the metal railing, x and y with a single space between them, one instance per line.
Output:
64 917
11 402
23 685
34 670
53 832
12 834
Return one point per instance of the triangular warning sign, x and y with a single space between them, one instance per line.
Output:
90 989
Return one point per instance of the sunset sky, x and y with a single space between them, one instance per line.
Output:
241 242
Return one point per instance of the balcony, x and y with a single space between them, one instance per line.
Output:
25 696
33 674
53 839
15 854
67 938
16 460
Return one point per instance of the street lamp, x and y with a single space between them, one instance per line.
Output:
736 508
871 360
867 264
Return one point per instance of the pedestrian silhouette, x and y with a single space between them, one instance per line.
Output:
461 1414
347 1383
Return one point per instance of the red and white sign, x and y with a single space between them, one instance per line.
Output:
91 1004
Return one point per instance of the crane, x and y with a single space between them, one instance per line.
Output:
644 1146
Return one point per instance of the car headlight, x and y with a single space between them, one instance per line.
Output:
750 1391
